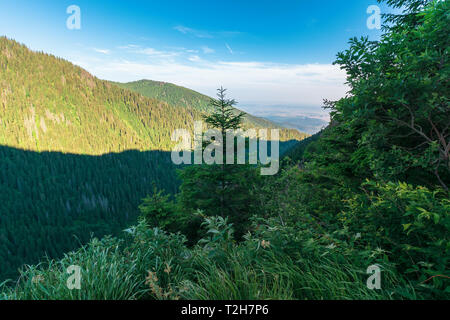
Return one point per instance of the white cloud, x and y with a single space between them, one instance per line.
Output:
248 82
165 55
104 51
151 52
206 34
194 32
129 46
194 59
207 50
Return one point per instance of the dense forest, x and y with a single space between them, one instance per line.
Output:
170 93
187 98
369 190
77 155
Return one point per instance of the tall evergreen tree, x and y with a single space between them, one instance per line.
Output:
220 189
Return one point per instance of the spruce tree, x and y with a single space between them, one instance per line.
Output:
220 189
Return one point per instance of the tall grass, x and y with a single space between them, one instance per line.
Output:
153 264
277 277
107 274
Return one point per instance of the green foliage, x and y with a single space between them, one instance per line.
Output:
397 113
223 116
158 211
153 264
392 127
402 228
220 189
299 152
411 226
111 269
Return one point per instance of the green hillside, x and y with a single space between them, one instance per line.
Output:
48 104
187 98
170 93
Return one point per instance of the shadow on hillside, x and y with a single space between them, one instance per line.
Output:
51 202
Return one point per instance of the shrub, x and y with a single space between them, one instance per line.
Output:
408 225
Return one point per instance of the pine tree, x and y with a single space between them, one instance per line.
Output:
220 189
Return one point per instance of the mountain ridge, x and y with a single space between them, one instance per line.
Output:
53 105
187 98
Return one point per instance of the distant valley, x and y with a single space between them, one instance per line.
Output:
304 119
301 123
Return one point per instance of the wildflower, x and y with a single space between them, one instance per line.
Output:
37 279
152 282
151 278
265 244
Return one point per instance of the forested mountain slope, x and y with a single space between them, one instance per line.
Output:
170 93
77 154
183 97
49 104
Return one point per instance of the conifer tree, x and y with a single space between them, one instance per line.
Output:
220 189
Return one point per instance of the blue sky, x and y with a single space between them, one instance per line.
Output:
265 52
